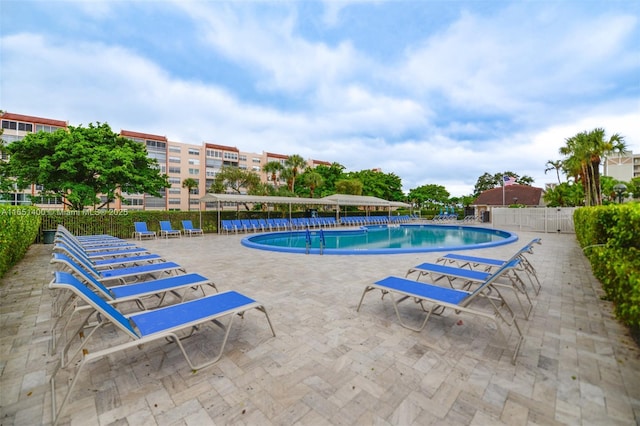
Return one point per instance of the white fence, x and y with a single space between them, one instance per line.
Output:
535 219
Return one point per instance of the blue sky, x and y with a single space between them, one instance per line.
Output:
437 92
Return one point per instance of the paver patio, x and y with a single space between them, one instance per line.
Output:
331 365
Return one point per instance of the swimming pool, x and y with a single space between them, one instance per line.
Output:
381 239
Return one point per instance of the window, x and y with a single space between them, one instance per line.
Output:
255 160
174 159
17 125
174 201
230 155
194 151
194 171
243 157
174 180
175 170
11 125
134 201
242 167
173 148
156 144
214 153
174 191
194 162
45 128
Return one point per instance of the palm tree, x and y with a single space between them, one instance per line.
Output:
190 184
273 167
313 180
296 164
554 165
585 152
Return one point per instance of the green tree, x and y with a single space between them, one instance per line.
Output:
427 195
295 164
387 186
272 168
190 184
312 180
584 153
330 175
234 179
488 181
566 194
634 187
82 163
349 186
554 165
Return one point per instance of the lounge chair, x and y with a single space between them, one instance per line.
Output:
103 251
439 298
156 290
165 323
167 231
141 231
188 229
237 223
227 226
107 263
122 275
488 264
469 277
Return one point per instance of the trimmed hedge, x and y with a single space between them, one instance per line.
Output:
18 229
610 236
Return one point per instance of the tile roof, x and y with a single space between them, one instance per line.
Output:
526 195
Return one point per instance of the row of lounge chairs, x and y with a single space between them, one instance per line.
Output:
473 285
280 224
166 230
102 281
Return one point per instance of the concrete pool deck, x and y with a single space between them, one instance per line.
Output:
331 365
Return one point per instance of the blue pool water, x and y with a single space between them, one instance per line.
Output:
381 239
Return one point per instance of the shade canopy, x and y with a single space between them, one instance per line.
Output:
331 200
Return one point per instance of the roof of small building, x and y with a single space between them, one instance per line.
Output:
513 194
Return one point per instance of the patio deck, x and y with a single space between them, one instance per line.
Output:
331 365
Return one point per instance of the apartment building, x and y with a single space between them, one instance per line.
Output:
180 161
623 167
14 128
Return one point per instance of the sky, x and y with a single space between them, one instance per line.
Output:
436 92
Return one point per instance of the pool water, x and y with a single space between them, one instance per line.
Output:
381 239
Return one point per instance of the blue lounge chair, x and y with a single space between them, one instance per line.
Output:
165 323
188 229
141 231
470 277
237 223
107 263
167 231
438 298
488 264
102 252
227 226
248 225
122 275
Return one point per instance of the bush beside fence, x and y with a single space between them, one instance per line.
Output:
609 237
18 229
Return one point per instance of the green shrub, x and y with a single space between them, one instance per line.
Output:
18 229
610 238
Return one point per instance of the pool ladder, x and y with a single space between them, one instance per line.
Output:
308 241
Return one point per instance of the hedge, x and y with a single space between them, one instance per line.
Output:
610 237
18 229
